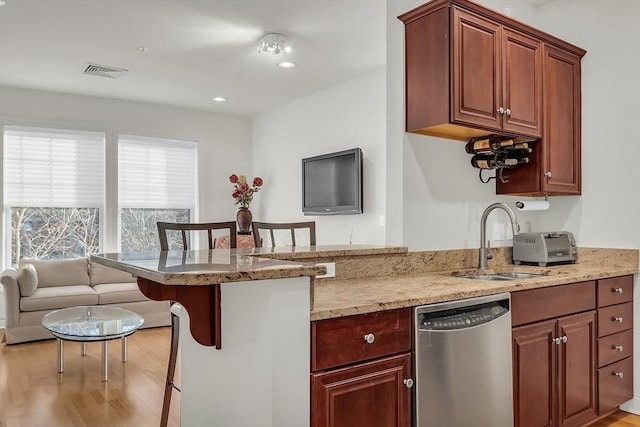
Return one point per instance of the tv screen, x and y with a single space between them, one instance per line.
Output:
332 183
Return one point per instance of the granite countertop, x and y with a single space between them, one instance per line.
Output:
322 251
370 294
205 267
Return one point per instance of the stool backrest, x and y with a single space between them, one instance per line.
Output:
291 226
184 229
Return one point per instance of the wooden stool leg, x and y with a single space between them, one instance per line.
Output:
171 370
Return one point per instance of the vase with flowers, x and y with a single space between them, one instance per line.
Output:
243 195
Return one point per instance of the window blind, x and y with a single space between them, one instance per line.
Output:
156 173
53 168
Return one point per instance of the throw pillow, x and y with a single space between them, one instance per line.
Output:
27 280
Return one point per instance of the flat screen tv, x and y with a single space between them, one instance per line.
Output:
332 183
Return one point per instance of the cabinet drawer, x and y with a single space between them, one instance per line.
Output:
615 385
615 318
615 347
615 290
341 341
546 303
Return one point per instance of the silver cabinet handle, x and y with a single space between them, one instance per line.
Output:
564 339
507 112
618 319
556 341
369 338
619 374
617 290
500 110
408 382
618 347
547 174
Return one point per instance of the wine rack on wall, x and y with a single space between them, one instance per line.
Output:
497 153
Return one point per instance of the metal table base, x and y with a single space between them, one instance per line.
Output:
83 351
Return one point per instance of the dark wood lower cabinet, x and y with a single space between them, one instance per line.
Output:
554 365
369 394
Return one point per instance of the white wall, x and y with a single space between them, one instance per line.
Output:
223 140
348 115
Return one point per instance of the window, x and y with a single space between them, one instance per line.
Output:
157 181
53 191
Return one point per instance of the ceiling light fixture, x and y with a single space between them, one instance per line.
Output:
287 64
219 99
273 43
2 2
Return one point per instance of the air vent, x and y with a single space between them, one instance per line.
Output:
104 71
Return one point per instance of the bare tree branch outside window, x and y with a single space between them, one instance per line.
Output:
54 233
139 232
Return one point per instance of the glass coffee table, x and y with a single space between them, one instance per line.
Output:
92 323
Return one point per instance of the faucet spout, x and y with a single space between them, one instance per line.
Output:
484 251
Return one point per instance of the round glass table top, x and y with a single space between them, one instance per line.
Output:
91 323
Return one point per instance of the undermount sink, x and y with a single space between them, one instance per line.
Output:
499 276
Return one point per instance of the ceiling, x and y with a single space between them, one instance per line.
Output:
197 49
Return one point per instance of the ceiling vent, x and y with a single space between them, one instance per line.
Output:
104 71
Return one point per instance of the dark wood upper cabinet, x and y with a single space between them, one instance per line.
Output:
471 71
555 166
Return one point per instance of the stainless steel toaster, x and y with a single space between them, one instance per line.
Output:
544 248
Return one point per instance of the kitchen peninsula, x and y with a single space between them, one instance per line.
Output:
270 298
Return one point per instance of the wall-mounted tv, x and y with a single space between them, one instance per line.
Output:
332 183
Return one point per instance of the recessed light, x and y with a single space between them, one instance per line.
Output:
2 2
219 99
287 64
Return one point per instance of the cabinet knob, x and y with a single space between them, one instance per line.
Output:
617 290
618 319
547 174
565 339
500 110
619 374
369 338
556 341
619 348
507 112
408 382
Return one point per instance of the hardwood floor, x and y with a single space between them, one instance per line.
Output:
33 394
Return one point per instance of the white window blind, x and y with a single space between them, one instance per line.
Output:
53 168
156 173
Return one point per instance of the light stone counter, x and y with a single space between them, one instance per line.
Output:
365 295
205 267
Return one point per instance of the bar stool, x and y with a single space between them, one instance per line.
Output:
185 230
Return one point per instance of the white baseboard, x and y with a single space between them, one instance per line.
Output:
632 406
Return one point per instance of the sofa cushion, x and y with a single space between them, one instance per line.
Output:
54 297
116 293
27 280
99 273
60 272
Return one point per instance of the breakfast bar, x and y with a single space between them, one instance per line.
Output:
244 332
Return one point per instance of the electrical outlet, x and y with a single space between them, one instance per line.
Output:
331 270
381 221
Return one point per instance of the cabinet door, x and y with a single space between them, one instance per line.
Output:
522 83
561 163
577 369
475 95
534 374
371 394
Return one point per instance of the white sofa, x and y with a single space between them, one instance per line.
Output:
58 284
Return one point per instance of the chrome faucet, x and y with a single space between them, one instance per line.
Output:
484 250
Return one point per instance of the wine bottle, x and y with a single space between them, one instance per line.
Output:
484 161
519 146
486 144
517 157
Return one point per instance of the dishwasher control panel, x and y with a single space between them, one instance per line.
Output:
461 318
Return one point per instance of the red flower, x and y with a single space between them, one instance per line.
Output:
244 190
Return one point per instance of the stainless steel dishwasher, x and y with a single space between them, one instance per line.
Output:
463 363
